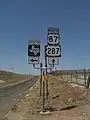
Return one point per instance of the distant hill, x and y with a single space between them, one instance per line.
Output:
9 77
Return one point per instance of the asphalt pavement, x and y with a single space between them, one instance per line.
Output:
10 94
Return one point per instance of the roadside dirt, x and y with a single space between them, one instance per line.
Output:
65 102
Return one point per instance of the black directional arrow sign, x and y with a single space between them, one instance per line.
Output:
32 60
53 61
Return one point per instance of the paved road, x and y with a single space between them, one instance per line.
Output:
10 95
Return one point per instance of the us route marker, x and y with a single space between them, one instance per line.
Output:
53 51
53 47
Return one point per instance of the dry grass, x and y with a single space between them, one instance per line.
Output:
10 77
61 95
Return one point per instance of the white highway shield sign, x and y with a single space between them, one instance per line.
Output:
53 60
53 51
53 39
33 60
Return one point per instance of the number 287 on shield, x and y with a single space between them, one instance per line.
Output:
53 51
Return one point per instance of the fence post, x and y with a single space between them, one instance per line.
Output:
64 76
84 76
71 76
67 76
76 76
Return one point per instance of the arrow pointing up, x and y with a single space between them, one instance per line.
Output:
53 61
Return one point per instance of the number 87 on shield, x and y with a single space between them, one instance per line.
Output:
53 39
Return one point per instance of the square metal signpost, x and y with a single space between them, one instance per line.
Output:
34 56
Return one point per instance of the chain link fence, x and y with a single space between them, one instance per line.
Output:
75 76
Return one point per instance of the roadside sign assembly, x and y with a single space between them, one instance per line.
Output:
52 55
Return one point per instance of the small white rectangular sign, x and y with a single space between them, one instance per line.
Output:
33 60
34 42
53 60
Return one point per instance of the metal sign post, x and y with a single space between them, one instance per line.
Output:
43 90
43 69
41 65
47 92
34 55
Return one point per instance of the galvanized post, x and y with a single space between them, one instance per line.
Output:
47 93
41 79
84 76
71 76
67 76
43 90
76 76
63 76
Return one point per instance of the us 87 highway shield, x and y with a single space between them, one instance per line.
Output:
53 51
